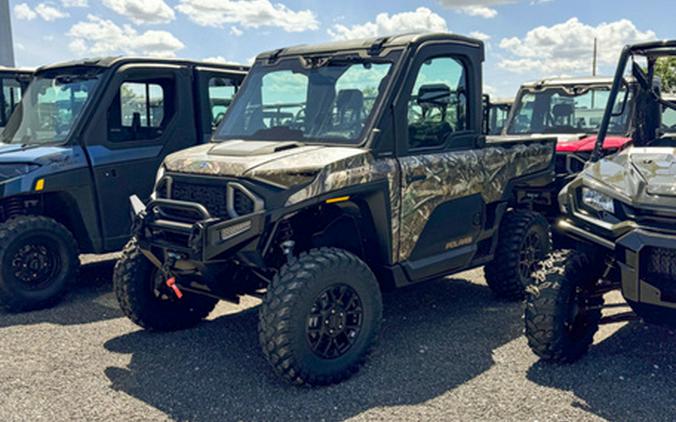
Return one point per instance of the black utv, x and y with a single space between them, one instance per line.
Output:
339 170
621 213
86 135
13 83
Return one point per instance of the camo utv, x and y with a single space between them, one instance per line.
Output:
339 170
621 211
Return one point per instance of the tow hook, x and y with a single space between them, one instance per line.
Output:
171 283
171 280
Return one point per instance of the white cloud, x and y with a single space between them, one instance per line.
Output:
567 47
236 31
480 35
248 14
46 11
480 11
22 11
98 36
422 19
142 12
49 12
481 8
74 3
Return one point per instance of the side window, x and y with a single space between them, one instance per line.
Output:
438 103
221 92
141 110
11 96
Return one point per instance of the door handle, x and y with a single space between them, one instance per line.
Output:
415 178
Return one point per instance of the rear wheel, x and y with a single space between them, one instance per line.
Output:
563 312
320 317
524 240
39 258
135 281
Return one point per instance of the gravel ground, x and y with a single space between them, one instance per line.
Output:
449 351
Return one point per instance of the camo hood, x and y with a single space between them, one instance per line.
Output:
284 164
642 174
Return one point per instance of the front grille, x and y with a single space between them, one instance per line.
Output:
659 269
224 200
212 197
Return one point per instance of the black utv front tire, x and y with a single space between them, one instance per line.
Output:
320 317
134 285
38 259
524 239
563 312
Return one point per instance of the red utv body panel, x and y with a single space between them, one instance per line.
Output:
586 144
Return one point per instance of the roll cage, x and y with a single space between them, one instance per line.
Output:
648 92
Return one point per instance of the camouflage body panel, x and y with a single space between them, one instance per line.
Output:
354 171
322 169
287 168
459 174
637 171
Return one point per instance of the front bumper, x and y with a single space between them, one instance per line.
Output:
634 249
202 239
636 255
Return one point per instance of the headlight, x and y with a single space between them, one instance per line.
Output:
158 177
598 200
10 171
160 173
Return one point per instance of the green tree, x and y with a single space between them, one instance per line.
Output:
665 68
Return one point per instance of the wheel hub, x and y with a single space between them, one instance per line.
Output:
531 253
34 263
334 321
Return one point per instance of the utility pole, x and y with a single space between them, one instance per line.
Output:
594 68
595 55
6 45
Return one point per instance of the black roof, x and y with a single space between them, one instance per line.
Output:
399 40
106 62
654 48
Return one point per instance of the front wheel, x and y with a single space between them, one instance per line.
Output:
136 281
524 240
320 317
39 258
563 311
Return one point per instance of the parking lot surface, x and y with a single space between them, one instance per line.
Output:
448 351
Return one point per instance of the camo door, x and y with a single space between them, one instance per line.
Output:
441 209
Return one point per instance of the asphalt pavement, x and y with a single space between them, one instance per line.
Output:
449 351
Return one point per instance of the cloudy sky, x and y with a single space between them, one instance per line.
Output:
526 39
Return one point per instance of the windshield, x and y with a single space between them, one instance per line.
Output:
567 111
328 101
497 117
49 109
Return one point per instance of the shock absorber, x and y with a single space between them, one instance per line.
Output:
12 207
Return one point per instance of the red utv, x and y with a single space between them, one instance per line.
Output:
570 109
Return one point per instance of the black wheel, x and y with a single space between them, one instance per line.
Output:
135 281
39 258
524 240
320 317
563 311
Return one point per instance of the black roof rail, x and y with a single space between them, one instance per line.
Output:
377 46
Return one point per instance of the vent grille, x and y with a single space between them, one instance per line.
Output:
223 201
